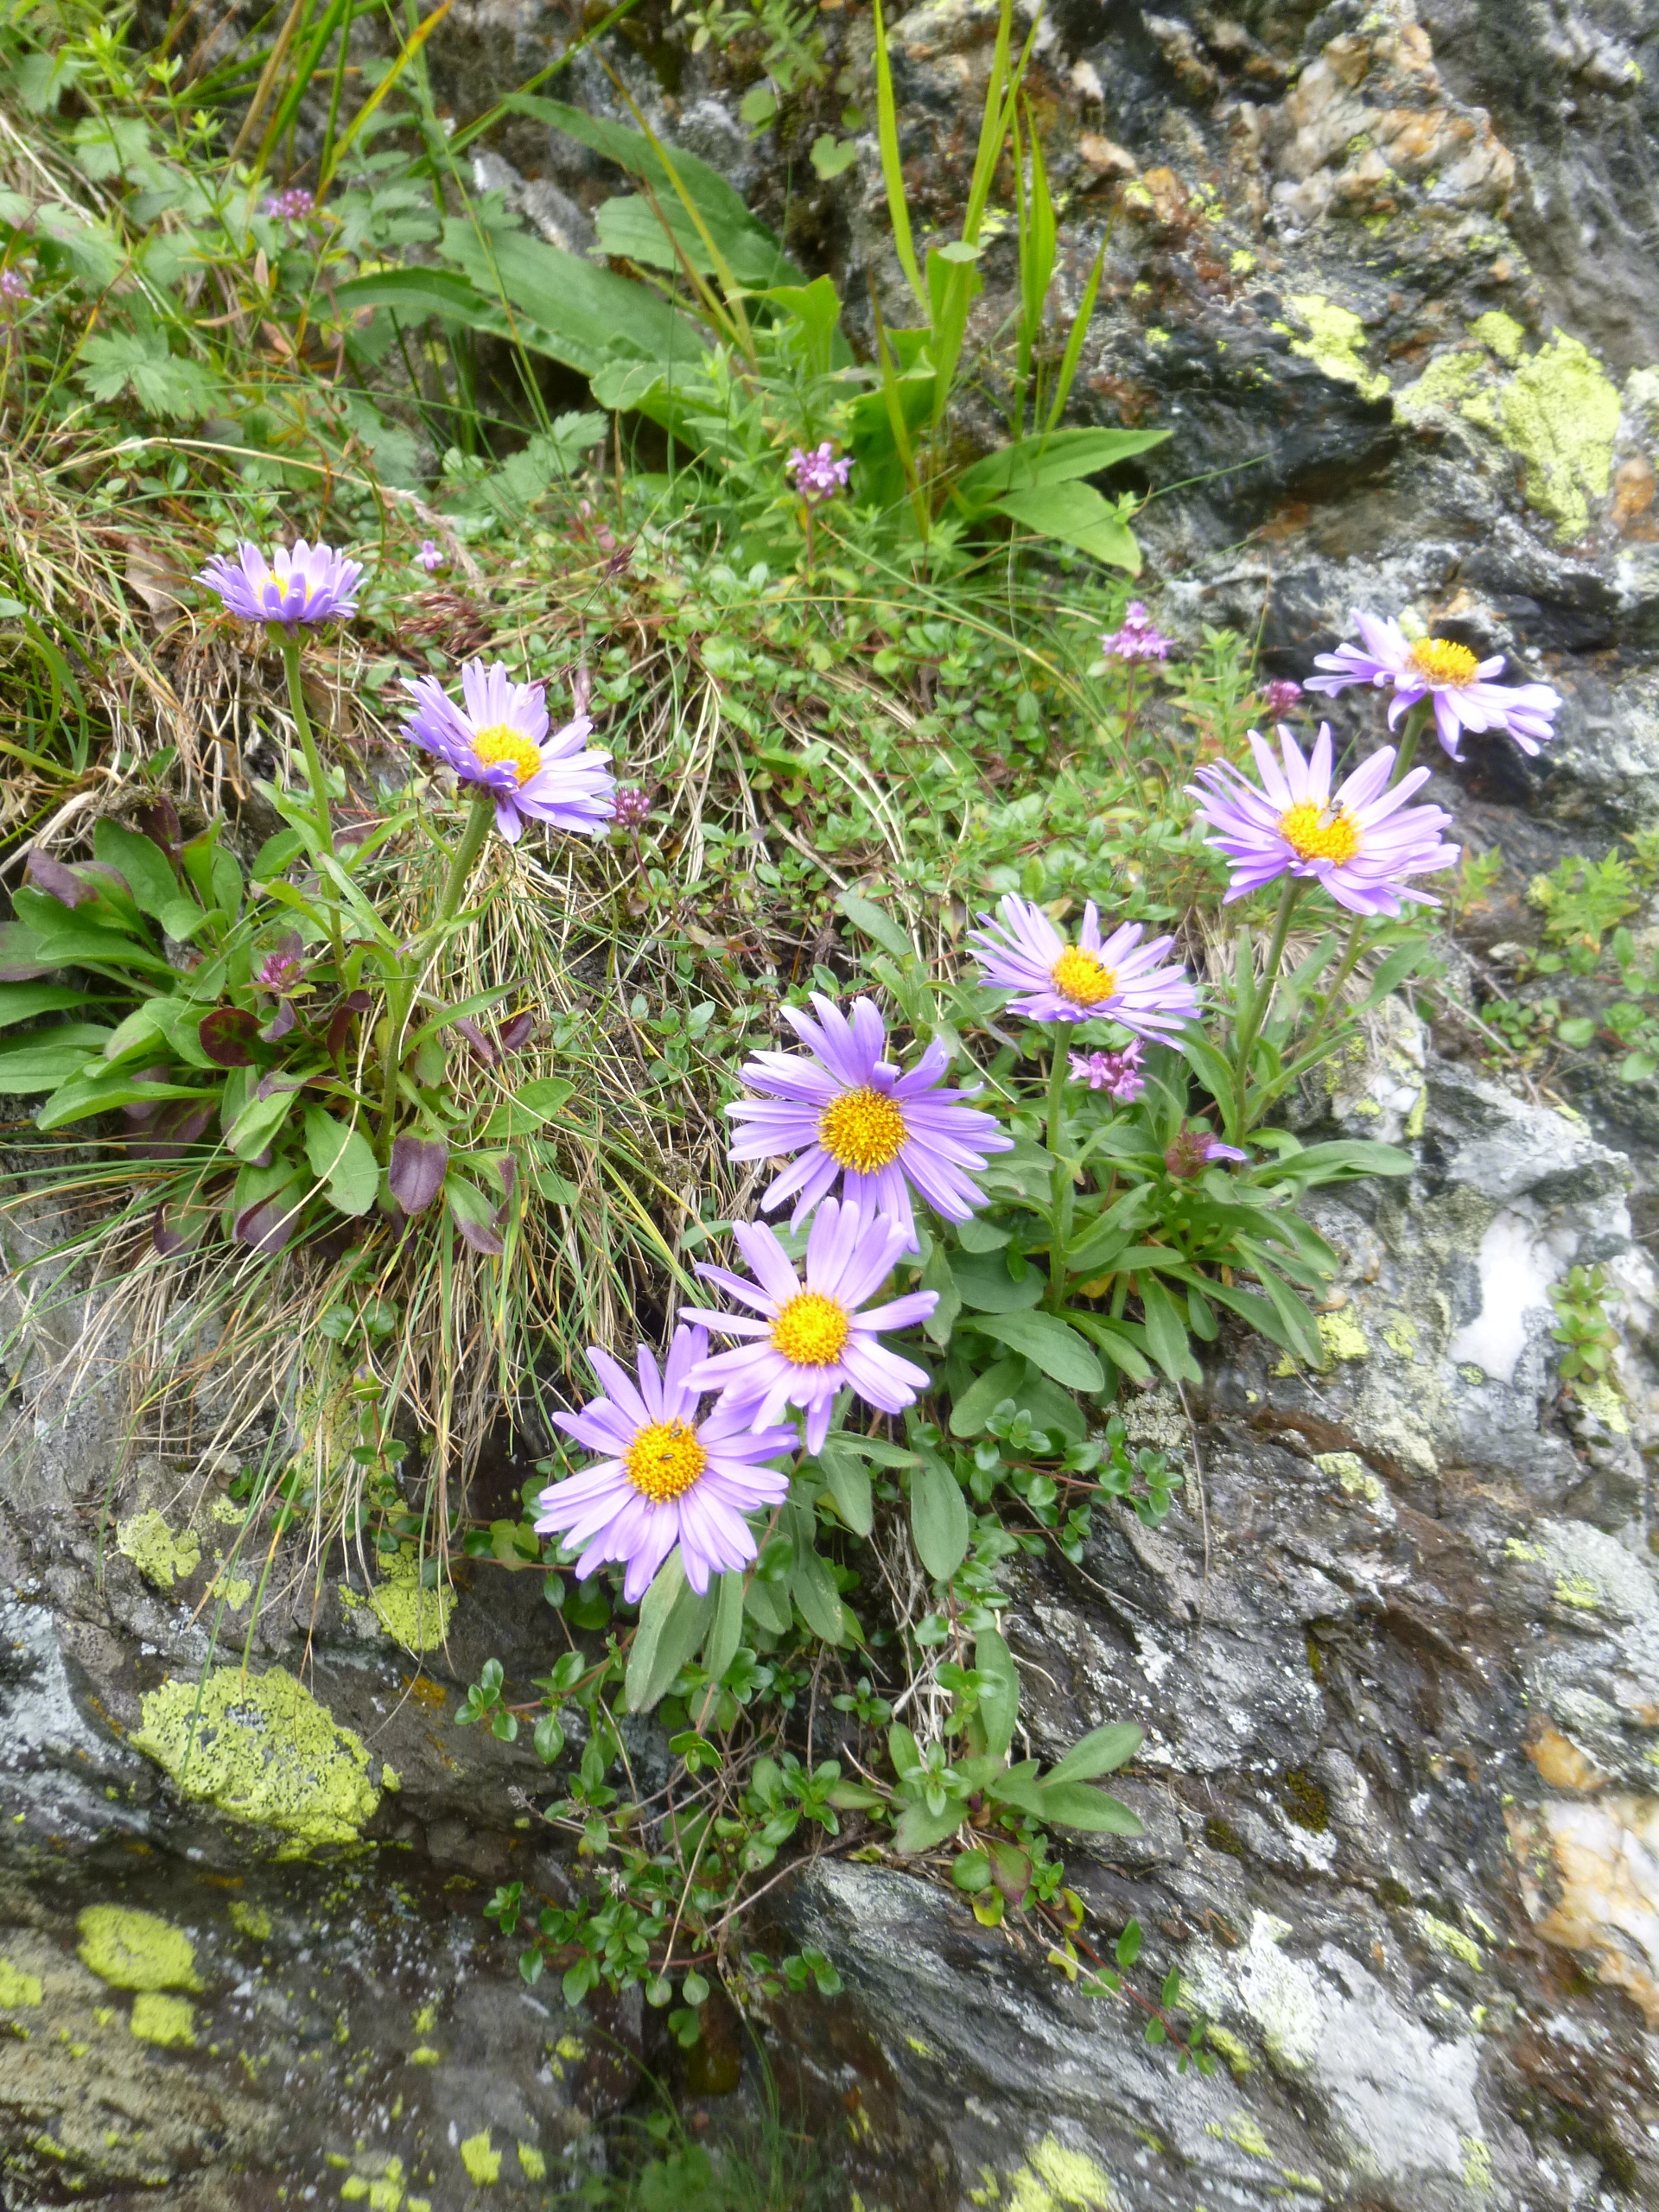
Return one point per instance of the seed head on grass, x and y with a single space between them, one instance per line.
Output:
813 1339
850 1113
666 1476
498 743
303 589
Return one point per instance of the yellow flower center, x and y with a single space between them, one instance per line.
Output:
812 1330
500 741
1438 661
1305 829
862 1130
1078 975
665 1459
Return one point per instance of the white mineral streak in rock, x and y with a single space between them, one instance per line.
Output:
1590 1876
1517 1262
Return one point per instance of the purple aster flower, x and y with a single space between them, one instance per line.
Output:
1450 675
1360 843
499 744
1279 697
294 205
1194 1149
1118 980
1118 1074
630 808
430 556
1139 640
819 475
812 1340
665 1477
311 585
850 1113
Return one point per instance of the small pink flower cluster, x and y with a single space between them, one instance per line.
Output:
292 205
1139 640
819 474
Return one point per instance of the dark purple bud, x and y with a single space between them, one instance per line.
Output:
514 1034
630 807
166 1241
415 1175
159 820
56 881
479 1043
226 1035
268 1226
339 1021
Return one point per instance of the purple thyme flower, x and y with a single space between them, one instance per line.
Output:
294 205
15 286
1450 675
1118 1074
282 967
311 585
850 1113
1279 697
1194 1149
666 1478
430 557
499 744
819 475
1360 842
1139 640
630 807
1119 981
812 1340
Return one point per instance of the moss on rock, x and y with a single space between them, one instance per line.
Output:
262 1749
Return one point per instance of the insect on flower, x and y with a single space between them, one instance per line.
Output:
498 742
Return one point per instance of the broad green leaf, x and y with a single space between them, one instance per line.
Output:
412 294
1078 1805
726 1627
100 1090
141 863
23 1001
903 1751
673 1621
1297 1321
1019 1786
813 1589
577 311
999 1702
1030 464
768 1604
44 1058
848 1484
985 1393
938 1518
257 1123
937 1278
631 229
1120 1341
63 940
530 1105
1076 515
1098 1752
1047 1343
343 1158
984 1285
1337 1162
920 1830
876 923
1167 1331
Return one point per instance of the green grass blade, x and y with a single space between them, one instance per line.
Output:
892 174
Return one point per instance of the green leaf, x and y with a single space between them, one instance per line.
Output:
257 1123
1120 1341
141 863
1167 1331
577 311
726 1628
875 923
1031 464
985 1393
999 1701
412 294
1341 1161
1127 1949
1100 1752
673 1621
343 1158
768 1604
23 1001
1019 1787
984 1284
813 1589
920 1830
45 1059
1076 515
1078 1805
938 1518
848 1484
1047 1343
530 1105
937 1277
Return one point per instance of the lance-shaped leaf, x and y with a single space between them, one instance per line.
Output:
415 1175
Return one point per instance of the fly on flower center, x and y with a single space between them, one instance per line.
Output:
862 1129
1078 975
664 1461
500 741
812 1329
1311 838
1437 660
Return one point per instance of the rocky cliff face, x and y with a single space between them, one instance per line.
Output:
1391 278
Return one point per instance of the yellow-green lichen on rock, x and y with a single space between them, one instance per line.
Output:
1054 2176
135 1951
17 1987
481 2158
159 1555
1559 412
1341 1337
1336 336
1500 333
169 2021
418 1618
262 1748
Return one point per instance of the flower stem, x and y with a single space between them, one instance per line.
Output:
313 770
1060 1186
466 854
1250 1028
1415 721
400 995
